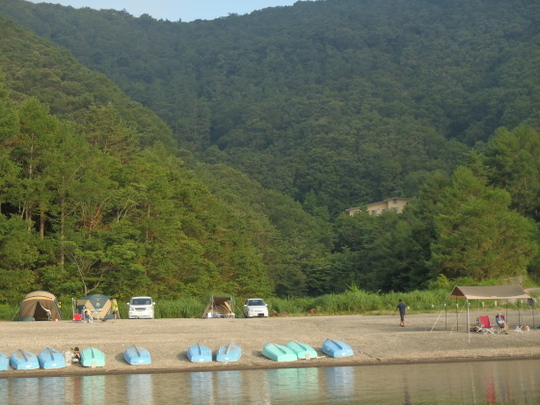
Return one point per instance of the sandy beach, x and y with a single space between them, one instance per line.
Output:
374 339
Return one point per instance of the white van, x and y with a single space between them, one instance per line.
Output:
255 308
141 307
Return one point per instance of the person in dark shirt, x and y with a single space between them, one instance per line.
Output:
402 310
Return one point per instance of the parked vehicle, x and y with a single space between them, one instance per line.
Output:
141 307
255 307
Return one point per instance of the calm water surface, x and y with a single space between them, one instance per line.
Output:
494 382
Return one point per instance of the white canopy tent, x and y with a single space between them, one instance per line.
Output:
502 292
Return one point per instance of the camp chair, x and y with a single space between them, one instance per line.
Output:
77 318
519 329
485 324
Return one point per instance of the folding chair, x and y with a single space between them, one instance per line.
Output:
519 329
485 324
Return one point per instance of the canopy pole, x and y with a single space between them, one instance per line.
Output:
519 311
457 316
445 316
468 322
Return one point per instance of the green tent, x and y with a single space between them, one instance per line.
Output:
98 305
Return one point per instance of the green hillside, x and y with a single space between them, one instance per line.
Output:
94 196
338 102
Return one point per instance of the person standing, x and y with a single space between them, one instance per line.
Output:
114 308
402 308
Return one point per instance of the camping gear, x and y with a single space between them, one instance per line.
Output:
199 353
229 352
23 360
39 306
98 305
92 357
50 358
4 362
219 307
136 355
336 348
302 350
485 324
278 352
500 292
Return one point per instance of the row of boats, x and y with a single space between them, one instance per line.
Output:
137 355
291 351
49 359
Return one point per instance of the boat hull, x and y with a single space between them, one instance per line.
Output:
92 357
50 358
199 353
278 353
136 355
302 350
336 348
4 362
229 352
23 360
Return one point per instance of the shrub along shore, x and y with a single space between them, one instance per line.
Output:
351 302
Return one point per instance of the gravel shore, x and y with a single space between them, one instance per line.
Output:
374 339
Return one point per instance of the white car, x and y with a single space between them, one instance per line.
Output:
141 307
255 308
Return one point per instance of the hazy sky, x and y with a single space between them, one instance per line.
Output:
174 10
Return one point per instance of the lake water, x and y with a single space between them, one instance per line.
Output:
495 382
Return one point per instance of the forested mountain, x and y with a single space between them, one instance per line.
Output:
329 103
95 197
335 102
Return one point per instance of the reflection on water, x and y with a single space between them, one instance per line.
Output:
293 385
341 379
494 382
139 389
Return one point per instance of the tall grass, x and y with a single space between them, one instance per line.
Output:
353 301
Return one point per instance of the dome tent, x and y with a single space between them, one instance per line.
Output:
97 304
39 306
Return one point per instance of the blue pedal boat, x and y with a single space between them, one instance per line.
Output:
278 352
4 362
135 355
302 350
23 360
199 353
336 348
229 352
92 357
50 358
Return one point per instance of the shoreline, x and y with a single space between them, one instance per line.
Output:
83 372
375 340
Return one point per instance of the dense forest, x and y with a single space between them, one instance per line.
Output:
250 135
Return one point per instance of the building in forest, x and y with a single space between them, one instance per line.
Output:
390 204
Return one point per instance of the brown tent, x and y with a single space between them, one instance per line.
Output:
39 306
219 307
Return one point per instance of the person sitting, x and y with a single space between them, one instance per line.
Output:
87 316
76 355
501 322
